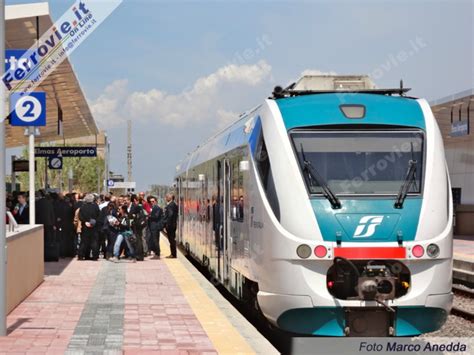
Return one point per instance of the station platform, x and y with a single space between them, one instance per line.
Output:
463 263
156 306
463 247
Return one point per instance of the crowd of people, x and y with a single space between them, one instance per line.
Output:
90 225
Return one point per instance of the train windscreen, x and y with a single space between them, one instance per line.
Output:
356 162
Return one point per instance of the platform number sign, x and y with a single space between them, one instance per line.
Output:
55 163
28 109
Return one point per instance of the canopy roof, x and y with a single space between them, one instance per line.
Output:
24 23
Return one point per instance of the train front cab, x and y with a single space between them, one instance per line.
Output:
364 258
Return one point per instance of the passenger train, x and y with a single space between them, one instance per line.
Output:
328 207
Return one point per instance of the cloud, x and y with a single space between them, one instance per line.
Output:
226 118
202 101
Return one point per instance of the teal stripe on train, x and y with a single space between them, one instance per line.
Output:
367 220
330 321
323 109
415 320
322 321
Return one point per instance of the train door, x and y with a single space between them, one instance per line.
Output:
180 200
227 199
218 220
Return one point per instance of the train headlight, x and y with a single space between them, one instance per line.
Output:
417 251
432 250
320 251
303 251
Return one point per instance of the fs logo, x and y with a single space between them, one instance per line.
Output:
367 225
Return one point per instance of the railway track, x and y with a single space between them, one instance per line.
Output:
461 312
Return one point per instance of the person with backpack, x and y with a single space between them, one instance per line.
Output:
110 228
124 225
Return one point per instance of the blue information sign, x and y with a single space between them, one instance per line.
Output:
14 62
13 59
28 109
459 129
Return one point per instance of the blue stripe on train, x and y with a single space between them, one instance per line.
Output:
323 109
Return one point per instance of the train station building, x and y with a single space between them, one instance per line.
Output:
455 115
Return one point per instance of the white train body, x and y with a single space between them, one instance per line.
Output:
254 211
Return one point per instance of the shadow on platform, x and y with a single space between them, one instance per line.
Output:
18 323
52 268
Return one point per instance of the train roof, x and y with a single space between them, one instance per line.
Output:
303 90
226 140
328 84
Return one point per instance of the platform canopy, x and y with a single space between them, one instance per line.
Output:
449 109
24 24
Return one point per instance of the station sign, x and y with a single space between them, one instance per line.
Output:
28 109
21 166
459 129
124 185
14 60
55 163
70 152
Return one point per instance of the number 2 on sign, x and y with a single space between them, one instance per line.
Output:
29 111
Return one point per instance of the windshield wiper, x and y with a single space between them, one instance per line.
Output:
313 175
409 180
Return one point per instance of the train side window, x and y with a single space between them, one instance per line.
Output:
265 172
263 162
237 203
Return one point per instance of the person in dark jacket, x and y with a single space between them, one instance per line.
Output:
170 220
138 216
102 227
22 210
88 215
45 216
64 213
155 223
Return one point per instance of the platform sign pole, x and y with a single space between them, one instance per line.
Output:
13 174
3 227
31 172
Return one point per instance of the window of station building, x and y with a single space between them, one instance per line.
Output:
456 192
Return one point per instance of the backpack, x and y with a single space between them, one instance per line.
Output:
141 219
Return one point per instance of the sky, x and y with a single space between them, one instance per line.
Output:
181 70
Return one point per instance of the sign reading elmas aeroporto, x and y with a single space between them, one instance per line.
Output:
76 152
56 44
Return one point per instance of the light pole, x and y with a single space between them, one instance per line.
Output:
3 230
106 162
